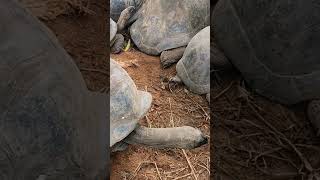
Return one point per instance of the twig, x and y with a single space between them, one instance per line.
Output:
148 121
204 167
136 171
206 114
180 177
175 171
306 163
139 167
190 165
155 164
223 91
171 118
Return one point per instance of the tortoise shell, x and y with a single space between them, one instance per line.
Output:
50 124
194 66
163 25
274 44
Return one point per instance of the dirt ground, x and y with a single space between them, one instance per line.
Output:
169 108
84 38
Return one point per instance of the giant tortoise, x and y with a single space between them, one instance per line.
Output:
163 27
116 39
275 45
129 105
193 69
52 127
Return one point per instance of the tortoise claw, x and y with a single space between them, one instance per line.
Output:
173 82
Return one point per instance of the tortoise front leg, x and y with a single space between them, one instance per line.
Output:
117 44
169 57
119 146
313 112
184 137
125 15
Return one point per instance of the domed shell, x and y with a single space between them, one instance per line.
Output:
194 66
47 113
116 7
113 29
165 25
275 46
127 104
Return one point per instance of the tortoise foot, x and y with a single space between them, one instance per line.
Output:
120 146
174 81
169 57
118 44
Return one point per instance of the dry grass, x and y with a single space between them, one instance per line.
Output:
255 138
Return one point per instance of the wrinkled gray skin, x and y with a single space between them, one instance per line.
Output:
116 40
193 69
278 62
129 105
157 25
128 9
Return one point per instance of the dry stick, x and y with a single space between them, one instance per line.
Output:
204 167
148 121
94 70
171 118
223 91
190 165
136 171
267 152
155 164
199 106
180 177
139 167
175 171
302 158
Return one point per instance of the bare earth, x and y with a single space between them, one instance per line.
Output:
176 108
